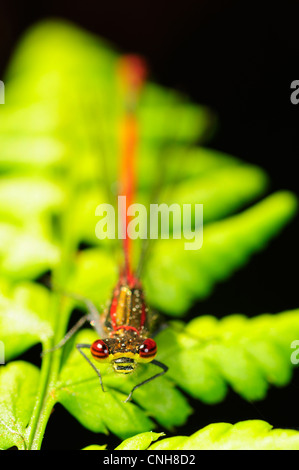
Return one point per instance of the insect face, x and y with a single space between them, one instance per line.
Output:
124 352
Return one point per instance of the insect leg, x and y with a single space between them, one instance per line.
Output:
69 334
79 347
156 363
93 314
92 310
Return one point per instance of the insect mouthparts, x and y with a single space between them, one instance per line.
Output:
124 365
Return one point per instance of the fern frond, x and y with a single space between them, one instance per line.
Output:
245 435
207 354
175 277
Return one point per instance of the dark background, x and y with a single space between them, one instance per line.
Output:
239 58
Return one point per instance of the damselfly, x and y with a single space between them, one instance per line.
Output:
124 328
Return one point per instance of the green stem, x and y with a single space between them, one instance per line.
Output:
43 418
44 376
51 363
49 372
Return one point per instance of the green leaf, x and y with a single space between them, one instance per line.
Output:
94 274
25 254
26 154
95 447
55 71
48 46
24 319
24 199
245 435
198 162
188 121
221 192
175 277
248 354
18 388
140 442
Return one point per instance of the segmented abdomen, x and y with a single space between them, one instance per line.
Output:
127 308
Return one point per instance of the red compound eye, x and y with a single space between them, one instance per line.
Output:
99 349
148 348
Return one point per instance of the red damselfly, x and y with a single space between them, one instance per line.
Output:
124 328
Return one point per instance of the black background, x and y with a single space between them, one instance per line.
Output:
239 58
